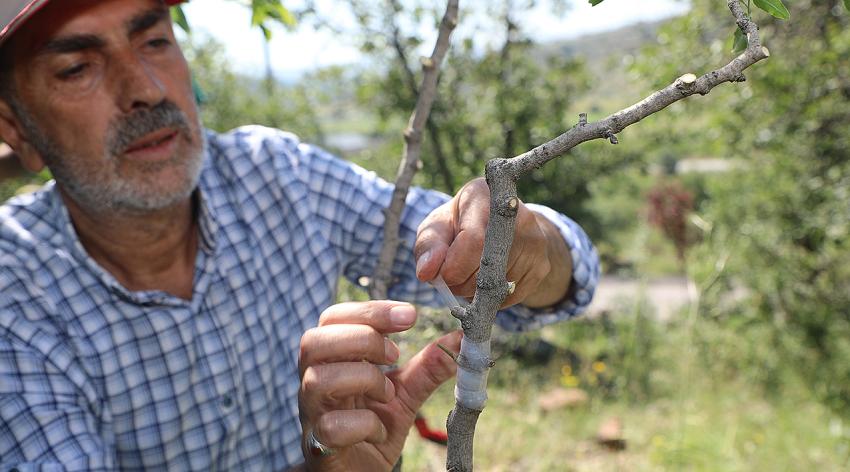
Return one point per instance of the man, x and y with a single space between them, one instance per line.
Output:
166 303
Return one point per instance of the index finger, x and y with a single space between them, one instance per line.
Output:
385 316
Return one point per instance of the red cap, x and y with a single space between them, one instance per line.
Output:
13 14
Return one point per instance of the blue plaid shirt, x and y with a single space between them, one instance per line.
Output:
97 377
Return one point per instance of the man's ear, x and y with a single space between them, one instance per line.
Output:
12 133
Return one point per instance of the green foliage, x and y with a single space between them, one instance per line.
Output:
691 395
777 246
265 11
774 7
232 100
739 41
263 14
497 99
179 18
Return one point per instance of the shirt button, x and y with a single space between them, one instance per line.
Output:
227 401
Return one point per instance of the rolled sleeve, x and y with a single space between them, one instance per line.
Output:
585 277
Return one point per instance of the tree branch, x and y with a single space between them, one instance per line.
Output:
382 278
492 286
410 79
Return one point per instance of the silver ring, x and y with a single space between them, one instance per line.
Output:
316 448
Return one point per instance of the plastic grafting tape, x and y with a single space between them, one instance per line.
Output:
471 387
446 294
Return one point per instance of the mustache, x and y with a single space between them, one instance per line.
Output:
127 129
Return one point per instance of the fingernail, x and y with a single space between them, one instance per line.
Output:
422 262
391 350
402 316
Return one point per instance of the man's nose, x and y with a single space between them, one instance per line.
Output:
138 84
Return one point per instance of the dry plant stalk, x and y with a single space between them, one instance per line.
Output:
492 286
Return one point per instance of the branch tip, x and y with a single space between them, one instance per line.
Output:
427 62
688 79
511 288
765 51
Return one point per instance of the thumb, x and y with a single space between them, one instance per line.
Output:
433 238
427 370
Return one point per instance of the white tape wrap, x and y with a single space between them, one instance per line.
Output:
471 388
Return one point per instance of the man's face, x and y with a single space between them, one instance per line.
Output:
103 97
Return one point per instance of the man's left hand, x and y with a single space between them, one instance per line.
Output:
451 239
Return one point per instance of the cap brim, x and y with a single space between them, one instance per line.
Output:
15 13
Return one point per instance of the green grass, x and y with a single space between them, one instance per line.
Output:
683 401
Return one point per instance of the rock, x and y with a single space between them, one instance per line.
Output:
562 398
610 434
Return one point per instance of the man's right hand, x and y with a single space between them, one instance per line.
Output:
347 402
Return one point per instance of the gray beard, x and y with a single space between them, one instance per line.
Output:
102 189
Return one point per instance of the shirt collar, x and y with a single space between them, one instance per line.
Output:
208 229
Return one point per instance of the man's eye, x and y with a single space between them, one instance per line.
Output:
159 42
73 71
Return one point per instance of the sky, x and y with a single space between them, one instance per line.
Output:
305 49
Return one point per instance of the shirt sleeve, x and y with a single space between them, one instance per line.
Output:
45 421
355 199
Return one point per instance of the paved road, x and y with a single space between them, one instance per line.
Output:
667 295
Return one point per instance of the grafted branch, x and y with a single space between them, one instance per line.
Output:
382 278
492 286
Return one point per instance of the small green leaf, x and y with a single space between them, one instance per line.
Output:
263 11
775 8
739 41
285 16
597 2
179 18
266 32
258 15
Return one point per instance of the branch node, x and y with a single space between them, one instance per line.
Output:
508 207
582 119
458 312
740 78
612 137
427 62
411 134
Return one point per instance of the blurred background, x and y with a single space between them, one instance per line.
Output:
719 338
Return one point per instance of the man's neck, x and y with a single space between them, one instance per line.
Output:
143 251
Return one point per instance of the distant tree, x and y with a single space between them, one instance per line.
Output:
780 225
